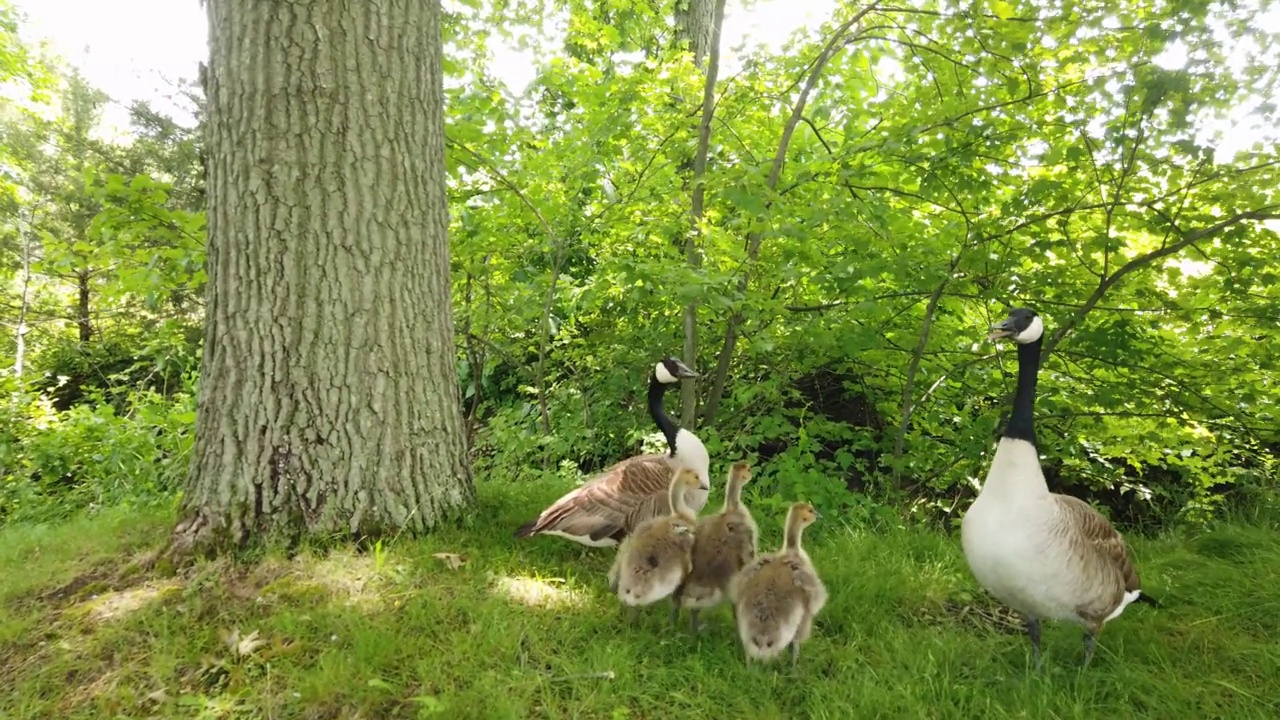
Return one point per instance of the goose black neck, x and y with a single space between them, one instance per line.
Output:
665 423
1021 425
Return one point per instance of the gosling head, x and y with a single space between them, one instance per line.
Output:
687 479
740 472
670 370
802 515
1022 326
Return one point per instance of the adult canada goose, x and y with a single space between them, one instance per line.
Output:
777 595
656 558
723 544
596 514
1044 554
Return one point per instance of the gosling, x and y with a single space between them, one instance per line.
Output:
777 595
655 559
723 544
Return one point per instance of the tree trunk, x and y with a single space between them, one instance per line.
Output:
698 22
84 292
20 348
329 399
695 24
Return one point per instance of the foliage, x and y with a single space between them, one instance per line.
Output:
464 624
92 455
950 160
948 163
103 262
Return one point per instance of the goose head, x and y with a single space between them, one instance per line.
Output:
670 370
1022 326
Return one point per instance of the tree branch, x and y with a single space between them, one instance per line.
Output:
913 366
557 259
1188 238
838 40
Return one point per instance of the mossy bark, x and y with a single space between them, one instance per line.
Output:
329 401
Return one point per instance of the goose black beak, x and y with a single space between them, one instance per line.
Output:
683 371
1001 330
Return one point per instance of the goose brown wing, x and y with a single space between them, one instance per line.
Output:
1098 533
600 507
650 482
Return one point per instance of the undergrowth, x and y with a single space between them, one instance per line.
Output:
471 623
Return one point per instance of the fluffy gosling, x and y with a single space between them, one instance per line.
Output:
777 595
723 544
655 559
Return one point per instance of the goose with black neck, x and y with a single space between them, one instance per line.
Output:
608 506
1046 555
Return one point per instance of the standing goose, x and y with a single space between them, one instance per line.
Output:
777 595
1043 554
604 509
723 544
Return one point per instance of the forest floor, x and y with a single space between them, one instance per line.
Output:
471 623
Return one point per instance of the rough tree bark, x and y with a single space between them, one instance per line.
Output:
329 398
696 23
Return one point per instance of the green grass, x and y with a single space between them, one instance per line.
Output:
525 629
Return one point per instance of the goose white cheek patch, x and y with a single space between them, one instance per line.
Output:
1032 333
664 376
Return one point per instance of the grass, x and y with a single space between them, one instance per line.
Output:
526 629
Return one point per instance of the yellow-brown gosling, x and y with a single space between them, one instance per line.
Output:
723 544
654 560
777 595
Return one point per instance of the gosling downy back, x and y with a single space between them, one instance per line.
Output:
607 507
654 560
1044 554
777 595
725 543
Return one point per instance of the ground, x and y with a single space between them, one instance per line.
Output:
472 623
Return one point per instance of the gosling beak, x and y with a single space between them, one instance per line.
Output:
683 371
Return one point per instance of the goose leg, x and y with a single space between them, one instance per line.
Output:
795 653
675 612
693 620
1090 638
1033 631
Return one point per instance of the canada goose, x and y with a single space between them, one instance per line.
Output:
777 595
723 544
654 560
596 514
1044 554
